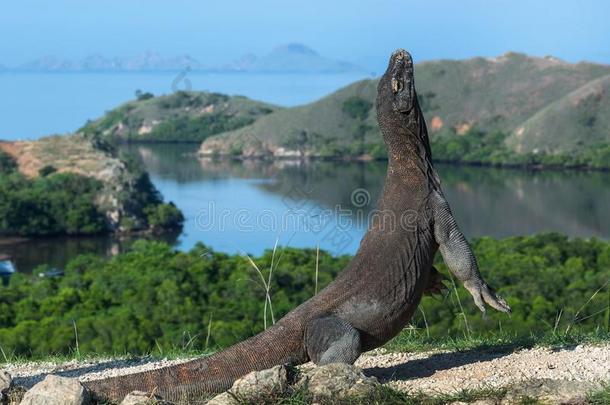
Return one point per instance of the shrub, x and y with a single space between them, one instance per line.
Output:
357 107
46 170
143 96
7 163
164 216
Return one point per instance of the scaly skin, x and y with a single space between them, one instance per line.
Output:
374 297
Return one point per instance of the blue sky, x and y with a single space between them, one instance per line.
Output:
360 31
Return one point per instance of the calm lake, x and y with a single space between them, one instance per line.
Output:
236 206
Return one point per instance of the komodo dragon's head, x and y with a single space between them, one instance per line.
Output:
398 110
397 87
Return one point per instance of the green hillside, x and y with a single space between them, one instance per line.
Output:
178 117
473 107
581 117
326 127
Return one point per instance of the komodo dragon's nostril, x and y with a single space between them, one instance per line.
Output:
396 85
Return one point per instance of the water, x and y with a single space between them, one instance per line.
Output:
37 104
248 202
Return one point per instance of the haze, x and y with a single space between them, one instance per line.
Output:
362 32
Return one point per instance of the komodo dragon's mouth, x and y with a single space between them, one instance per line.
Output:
402 82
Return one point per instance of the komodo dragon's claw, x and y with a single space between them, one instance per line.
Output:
483 294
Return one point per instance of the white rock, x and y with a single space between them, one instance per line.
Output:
258 384
6 382
337 381
223 399
255 386
55 390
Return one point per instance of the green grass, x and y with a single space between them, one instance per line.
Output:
385 395
601 397
176 353
405 342
416 341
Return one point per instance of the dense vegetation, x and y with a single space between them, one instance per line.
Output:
489 148
7 163
195 129
153 298
178 117
57 204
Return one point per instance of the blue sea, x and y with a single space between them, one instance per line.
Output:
37 104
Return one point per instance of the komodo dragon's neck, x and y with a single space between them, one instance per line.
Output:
410 175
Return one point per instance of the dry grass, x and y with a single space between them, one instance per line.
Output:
72 154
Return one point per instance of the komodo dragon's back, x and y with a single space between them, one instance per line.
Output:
374 297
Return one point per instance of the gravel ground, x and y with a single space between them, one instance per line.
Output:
432 372
451 372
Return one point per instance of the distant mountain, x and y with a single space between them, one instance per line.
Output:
513 109
293 57
147 61
48 63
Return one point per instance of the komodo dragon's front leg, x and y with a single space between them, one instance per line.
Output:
459 257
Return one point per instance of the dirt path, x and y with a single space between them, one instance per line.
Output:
431 372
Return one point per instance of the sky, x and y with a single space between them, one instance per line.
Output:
363 32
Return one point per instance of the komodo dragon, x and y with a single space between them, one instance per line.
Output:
374 297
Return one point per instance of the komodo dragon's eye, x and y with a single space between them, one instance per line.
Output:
396 85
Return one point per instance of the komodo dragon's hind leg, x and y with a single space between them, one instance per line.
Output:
459 257
332 340
435 283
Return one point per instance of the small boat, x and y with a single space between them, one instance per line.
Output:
52 273
6 265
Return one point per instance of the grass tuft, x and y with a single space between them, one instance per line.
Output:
601 397
411 340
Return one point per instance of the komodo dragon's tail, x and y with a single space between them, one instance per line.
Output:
196 379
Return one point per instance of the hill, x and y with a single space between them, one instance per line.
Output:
580 117
178 117
497 95
76 185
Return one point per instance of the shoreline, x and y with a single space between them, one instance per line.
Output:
368 158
